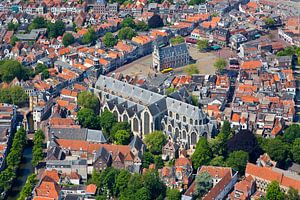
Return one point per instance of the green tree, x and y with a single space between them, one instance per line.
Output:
202 45
196 2
202 154
19 141
38 22
9 69
274 192
119 126
40 68
159 163
238 160
128 22
122 181
88 119
13 95
12 27
296 150
155 142
6 178
37 150
107 121
45 74
173 194
18 95
291 133
153 183
219 143
204 183
122 137
109 40
269 21
218 161
195 100
148 159
89 37
68 39
155 21
292 194
87 99
56 29
170 90
220 64
143 194
191 69
13 40
277 150
142 26
28 187
177 40
126 33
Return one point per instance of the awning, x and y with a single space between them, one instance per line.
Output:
215 47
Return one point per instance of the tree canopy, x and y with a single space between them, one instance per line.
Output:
277 150
88 119
37 150
89 37
126 33
238 161
128 22
12 27
68 39
177 40
122 185
109 39
13 40
202 45
269 21
141 26
87 99
27 189
13 160
292 194
220 64
13 95
56 29
274 192
107 121
296 150
173 194
38 22
191 69
155 142
204 183
9 69
196 2
202 154
122 137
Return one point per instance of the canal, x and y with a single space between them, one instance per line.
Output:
23 172
25 168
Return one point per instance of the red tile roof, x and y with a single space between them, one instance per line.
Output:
269 174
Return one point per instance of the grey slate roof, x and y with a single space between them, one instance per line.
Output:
137 94
137 143
103 153
95 136
170 51
185 109
69 133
